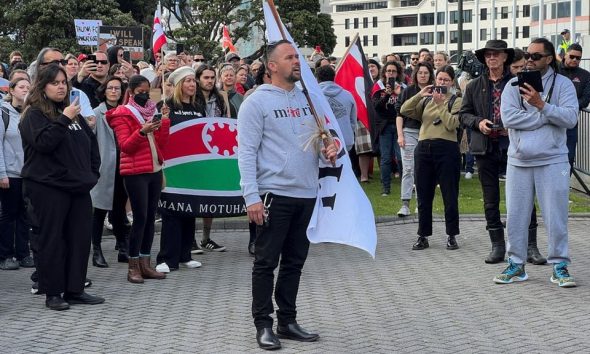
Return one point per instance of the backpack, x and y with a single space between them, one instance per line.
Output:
5 118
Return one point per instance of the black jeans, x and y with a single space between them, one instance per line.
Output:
144 192
62 225
118 215
437 161
489 166
14 226
176 240
285 237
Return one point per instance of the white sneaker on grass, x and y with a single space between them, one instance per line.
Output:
468 175
404 211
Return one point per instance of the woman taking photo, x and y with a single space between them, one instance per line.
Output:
61 166
141 135
14 227
178 230
437 156
109 193
407 133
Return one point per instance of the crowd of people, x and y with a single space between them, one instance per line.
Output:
83 139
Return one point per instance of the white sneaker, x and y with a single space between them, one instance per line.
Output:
404 211
108 225
130 216
468 175
163 268
190 264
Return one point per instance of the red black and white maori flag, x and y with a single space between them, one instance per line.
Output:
353 75
158 36
343 213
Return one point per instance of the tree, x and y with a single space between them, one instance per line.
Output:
202 22
33 24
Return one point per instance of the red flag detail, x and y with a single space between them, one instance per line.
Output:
226 42
158 36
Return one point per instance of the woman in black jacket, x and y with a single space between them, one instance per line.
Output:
61 166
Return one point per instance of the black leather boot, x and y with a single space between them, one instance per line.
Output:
122 245
421 243
533 255
98 258
498 246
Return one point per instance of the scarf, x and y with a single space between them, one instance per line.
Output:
146 112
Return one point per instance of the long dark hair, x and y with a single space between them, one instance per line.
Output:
112 54
200 97
37 98
430 73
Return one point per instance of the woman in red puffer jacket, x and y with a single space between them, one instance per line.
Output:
141 135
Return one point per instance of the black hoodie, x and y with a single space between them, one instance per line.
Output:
59 153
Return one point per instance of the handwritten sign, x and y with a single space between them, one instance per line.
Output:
87 31
130 38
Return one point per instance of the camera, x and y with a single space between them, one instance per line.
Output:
494 126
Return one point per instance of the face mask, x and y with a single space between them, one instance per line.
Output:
141 99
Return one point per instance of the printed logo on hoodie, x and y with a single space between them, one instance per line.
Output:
291 112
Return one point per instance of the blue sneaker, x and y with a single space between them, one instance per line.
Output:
561 276
514 272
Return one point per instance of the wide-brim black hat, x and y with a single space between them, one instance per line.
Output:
497 45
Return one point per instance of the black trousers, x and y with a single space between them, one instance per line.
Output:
285 238
144 192
118 215
489 166
176 240
62 225
14 226
437 161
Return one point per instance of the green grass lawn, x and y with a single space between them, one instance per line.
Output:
470 198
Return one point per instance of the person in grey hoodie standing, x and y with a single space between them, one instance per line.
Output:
14 227
341 102
538 162
279 181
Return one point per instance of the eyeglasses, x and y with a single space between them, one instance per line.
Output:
113 88
446 81
103 62
534 56
414 59
199 60
491 54
58 62
575 57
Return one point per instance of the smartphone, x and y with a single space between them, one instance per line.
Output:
157 117
440 89
532 78
391 82
127 56
73 95
179 48
93 58
318 48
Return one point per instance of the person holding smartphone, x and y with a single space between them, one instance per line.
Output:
61 166
385 94
92 74
141 139
437 156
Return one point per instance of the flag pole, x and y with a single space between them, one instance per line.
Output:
354 39
162 83
323 133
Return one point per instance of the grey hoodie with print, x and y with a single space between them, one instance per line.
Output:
11 151
344 108
273 128
538 137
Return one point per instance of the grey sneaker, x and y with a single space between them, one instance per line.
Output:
404 211
27 262
9 264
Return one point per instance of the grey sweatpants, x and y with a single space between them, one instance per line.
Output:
551 185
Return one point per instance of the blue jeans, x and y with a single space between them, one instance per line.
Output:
389 146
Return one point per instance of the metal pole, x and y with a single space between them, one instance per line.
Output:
493 9
446 27
541 17
435 26
573 21
477 19
514 29
460 28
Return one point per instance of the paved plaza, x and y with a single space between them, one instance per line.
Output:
431 301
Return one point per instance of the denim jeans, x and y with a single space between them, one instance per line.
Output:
411 140
389 146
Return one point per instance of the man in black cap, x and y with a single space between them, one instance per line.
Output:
565 43
480 112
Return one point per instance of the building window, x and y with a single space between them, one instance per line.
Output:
563 9
467 36
483 14
454 36
441 37
467 16
427 19
526 10
516 33
365 22
365 41
535 13
405 21
347 23
483 34
525 31
404 39
517 16
504 33
375 38
359 7
426 38
454 16
440 18
375 22
504 12
356 23
406 3
346 41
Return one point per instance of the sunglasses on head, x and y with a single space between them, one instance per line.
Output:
575 57
534 56
61 61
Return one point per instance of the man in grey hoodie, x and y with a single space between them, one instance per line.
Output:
341 102
279 181
538 162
